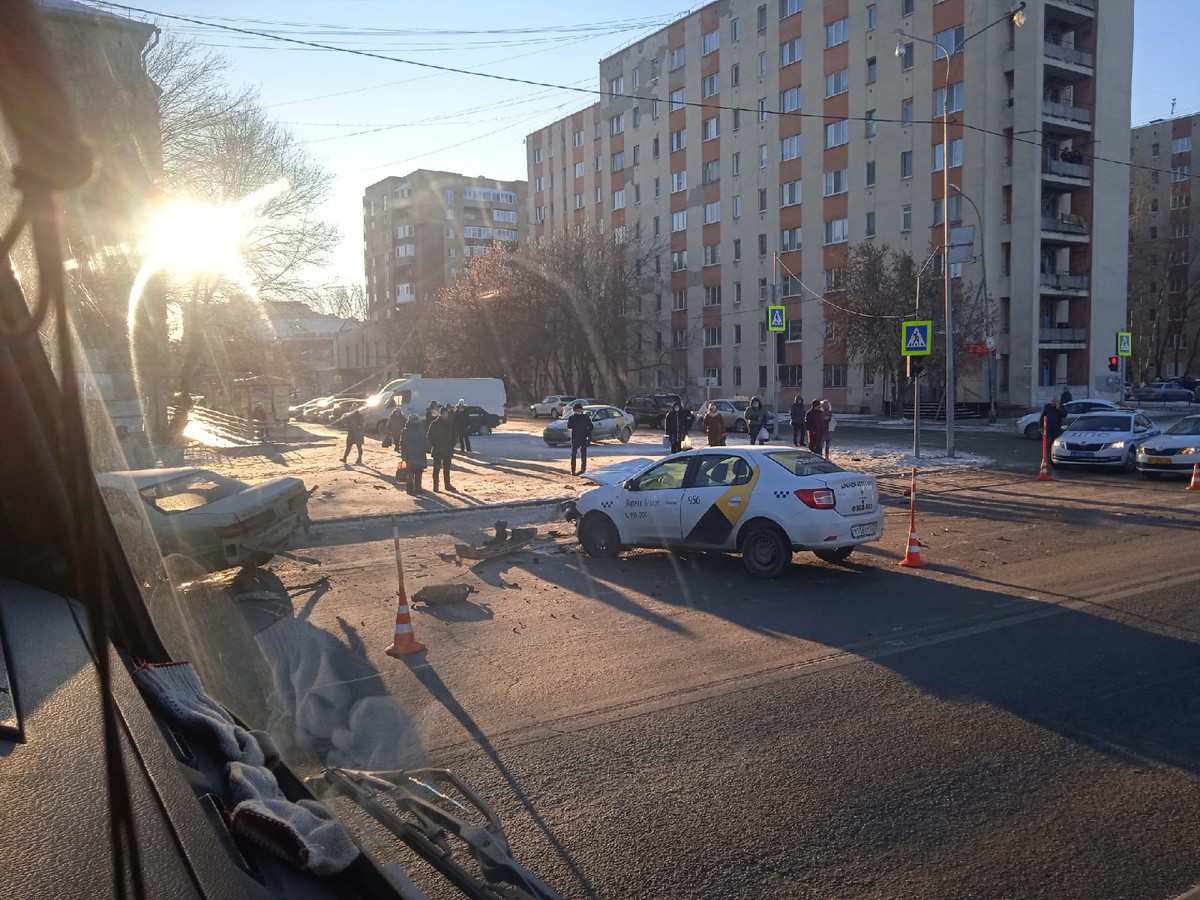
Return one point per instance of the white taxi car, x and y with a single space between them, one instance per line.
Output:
1109 438
763 502
1175 450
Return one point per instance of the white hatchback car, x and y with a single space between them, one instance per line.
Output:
551 406
765 503
1175 450
1106 438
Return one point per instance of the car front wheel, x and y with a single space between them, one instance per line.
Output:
1033 431
766 552
740 426
1130 460
599 536
485 429
554 413
625 435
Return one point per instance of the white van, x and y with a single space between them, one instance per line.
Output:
413 393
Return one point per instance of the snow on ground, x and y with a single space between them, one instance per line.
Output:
884 459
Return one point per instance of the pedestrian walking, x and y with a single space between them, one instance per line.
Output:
441 434
714 426
414 446
395 426
1065 398
830 425
755 419
260 416
580 425
814 424
675 426
355 434
1052 420
796 417
462 426
433 404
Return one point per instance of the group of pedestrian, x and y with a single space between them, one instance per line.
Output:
811 426
445 427
819 424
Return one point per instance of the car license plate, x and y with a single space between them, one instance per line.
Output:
1082 454
1158 460
857 531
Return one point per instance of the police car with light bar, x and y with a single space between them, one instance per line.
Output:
763 502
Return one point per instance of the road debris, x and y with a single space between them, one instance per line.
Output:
505 541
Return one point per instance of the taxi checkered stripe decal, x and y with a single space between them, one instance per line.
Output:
606 504
779 495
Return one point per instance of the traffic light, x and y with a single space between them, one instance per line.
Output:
1114 363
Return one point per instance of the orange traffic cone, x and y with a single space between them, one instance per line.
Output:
912 554
404 642
1044 473
1195 485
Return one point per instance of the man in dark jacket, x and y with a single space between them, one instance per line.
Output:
355 434
441 445
462 426
580 425
433 404
1052 420
816 424
414 446
395 426
796 417
1065 398
676 425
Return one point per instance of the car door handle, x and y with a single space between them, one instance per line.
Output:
672 503
735 501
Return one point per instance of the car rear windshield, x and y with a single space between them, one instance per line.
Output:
1101 423
802 462
190 492
1190 425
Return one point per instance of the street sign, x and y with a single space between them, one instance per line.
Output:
1124 343
915 338
776 318
962 244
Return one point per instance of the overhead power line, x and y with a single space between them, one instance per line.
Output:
512 79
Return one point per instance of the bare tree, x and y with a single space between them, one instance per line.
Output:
346 301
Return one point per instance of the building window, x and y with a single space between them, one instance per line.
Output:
712 212
762 200
837 182
539 155
871 17
637 116
954 103
869 226
837 133
679 338
712 295
791 99
869 124
579 201
762 156
710 128
950 41
1180 173
837 82
654 109
956 154
906 110
837 33
955 209
871 70
712 254
1154 152
618 161
579 170
678 300
710 172
737 213
790 239
710 85
870 173
679 220
678 181
762 247
735 164
737 334
618 201
710 41
449 192
906 165
675 59
762 18
735 30
795 331
906 218
791 147
790 52
906 56
1181 145
616 125
678 260
737 298
676 100
654 147
789 7
906 7
735 74
678 139
762 64
791 193
617 85
837 231
712 336
834 377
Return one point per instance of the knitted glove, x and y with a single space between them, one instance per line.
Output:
303 834
176 689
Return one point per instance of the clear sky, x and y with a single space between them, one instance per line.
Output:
365 119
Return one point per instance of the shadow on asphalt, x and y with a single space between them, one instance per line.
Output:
425 672
1118 689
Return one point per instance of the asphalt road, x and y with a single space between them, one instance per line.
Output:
1019 719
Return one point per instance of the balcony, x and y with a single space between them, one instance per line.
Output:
1067 115
1067 62
1070 173
1072 12
1064 283
1062 334
1065 228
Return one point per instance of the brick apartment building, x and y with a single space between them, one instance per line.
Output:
724 189
1164 281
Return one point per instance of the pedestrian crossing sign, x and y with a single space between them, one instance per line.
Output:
776 318
914 338
1124 343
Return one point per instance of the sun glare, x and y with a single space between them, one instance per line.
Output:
193 238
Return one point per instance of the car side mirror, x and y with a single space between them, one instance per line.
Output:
630 484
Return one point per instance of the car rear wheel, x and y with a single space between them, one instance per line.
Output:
485 429
740 426
838 555
1033 431
625 435
599 536
766 551
554 414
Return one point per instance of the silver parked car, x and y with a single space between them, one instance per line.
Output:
607 422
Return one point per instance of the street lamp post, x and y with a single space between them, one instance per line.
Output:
987 298
1017 16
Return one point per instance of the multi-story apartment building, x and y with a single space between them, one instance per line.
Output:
418 231
746 130
1164 276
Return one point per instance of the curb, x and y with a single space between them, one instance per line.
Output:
428 513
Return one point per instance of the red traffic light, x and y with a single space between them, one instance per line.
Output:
1114 363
